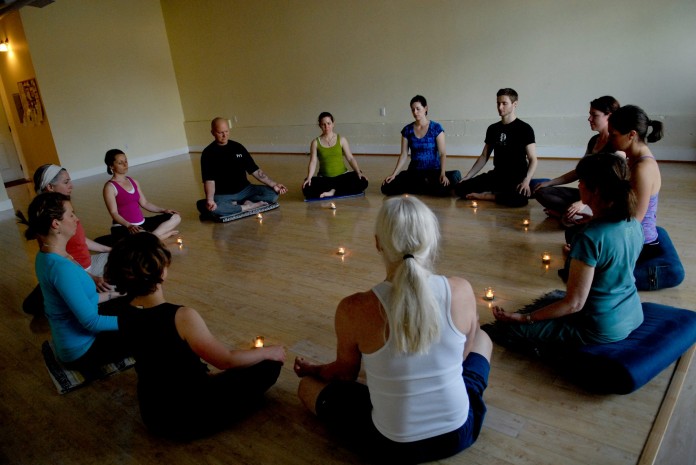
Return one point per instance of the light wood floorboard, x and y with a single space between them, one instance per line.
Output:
282 279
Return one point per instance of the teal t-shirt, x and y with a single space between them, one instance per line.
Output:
613 308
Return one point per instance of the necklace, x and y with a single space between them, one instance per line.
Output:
329 142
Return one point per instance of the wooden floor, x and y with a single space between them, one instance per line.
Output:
281 278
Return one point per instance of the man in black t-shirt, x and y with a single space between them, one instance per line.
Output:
512 142
224 168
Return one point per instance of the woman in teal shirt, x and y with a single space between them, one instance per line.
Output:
83 339
328 151
601 303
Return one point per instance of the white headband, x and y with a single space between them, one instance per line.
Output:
48 175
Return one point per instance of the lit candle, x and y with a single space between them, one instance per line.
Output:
474 204
341 251
259 216
489 293
258 342
546 258
525 222
180 241
332 206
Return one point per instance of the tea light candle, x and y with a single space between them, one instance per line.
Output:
525 222
332 206
474 204
546 258
489 293
180 241
258 341
259 216
341 251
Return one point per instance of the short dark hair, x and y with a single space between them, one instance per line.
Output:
606 104
110 158
45 208
136 264
609 176
420 99
511 93
324 114
632 118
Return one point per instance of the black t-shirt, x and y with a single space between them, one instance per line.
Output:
228 166
164 361
509 142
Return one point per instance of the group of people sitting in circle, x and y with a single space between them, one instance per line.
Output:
414 322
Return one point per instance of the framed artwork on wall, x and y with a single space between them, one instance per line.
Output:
32 106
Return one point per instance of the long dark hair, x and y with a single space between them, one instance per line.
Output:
632 118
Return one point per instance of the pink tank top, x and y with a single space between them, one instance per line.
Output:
127 203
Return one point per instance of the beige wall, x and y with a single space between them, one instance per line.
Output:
33 136
107 80
274 65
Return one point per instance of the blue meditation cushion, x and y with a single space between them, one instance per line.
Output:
624 366
659 266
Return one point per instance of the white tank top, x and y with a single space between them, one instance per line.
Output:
418 396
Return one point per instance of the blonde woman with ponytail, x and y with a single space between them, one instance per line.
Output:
425 358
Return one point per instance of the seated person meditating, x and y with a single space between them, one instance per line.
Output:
601 303
564 202
628 132
329 150
224 168
53 178
83 339
425 140
178 396
512 143
124 198
425 357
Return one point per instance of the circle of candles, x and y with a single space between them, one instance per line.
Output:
332 206
489 293
258 341
546 258
341 251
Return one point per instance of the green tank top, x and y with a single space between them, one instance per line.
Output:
331 159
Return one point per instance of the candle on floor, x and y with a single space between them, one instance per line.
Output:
546 258
489 293
525 222
259 216
341 251
180 241
332 206
474 204
258 342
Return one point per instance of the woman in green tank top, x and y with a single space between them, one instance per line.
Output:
329 150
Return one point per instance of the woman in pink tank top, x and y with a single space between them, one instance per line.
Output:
124 199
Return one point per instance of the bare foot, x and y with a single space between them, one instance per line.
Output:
167 235
330 193
248 205
481 196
